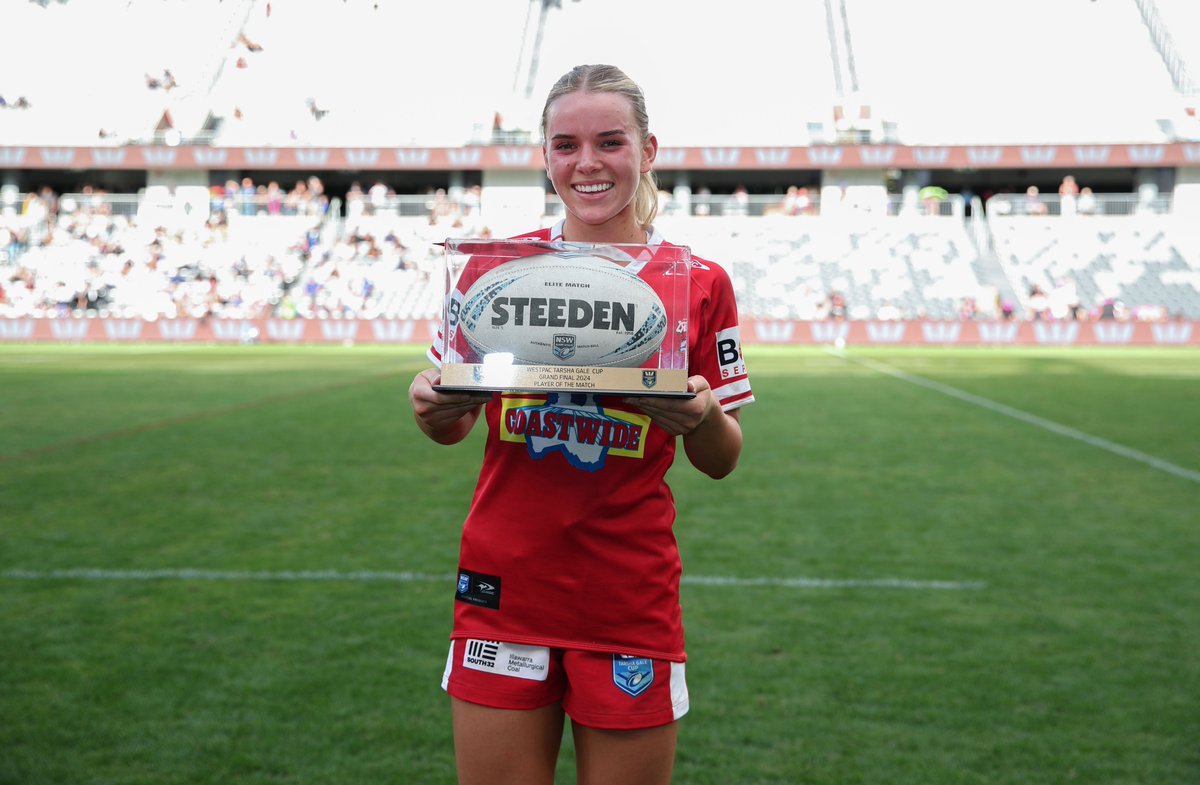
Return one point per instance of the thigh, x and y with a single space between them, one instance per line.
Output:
624 757
506 745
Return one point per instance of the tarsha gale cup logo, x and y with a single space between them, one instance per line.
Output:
632 675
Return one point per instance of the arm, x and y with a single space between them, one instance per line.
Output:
446 418
712 438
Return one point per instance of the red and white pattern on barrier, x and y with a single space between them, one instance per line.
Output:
753 331
1003 333
419 331
530 157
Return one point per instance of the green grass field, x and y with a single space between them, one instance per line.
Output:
233 565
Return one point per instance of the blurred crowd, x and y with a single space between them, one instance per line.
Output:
259 252
259 249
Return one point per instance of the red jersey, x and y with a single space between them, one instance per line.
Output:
569 539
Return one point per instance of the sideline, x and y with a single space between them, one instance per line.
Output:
369 576
1023 416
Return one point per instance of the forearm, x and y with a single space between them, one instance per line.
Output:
715 445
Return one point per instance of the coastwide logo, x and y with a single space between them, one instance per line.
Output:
575 426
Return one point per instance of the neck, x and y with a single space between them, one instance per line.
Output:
631 234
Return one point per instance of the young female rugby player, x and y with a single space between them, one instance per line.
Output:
568 580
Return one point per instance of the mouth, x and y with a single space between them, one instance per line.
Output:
593 188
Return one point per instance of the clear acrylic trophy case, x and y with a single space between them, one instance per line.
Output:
538 316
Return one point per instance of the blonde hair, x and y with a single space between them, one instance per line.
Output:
610 79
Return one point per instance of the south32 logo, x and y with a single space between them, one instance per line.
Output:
576 426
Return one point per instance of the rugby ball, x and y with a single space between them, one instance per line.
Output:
563 309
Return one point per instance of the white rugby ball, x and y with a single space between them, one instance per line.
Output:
564 309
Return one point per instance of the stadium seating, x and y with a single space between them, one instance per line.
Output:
248 72
1147 265
105 256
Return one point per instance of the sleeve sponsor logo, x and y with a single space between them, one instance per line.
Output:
729 353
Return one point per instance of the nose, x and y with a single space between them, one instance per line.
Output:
588 160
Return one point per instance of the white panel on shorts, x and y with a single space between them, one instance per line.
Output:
449 667
507 659
680 702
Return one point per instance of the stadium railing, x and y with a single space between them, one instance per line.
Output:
1100 204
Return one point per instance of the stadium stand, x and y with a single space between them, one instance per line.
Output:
820 78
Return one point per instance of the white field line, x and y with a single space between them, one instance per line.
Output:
369 576
1031 419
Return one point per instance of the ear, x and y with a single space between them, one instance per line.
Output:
649 152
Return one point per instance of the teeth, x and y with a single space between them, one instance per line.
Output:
593 189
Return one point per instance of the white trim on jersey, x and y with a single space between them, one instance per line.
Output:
733 389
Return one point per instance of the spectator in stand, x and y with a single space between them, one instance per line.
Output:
1068 191
274 198
294 201
356 201
838 310
1086 204
1039 304
967 309
378 197
1033 202
248 194
796 201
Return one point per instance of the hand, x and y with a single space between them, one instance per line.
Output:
680 416
444 417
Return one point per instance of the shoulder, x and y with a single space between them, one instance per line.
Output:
710 277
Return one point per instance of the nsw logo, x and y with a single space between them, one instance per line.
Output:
649 378
564 345
632 675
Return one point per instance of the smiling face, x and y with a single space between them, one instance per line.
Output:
595 157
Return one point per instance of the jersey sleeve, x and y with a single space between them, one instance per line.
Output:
715 344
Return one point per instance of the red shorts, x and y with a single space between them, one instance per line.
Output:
599 690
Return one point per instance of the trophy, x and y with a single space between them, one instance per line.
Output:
532 315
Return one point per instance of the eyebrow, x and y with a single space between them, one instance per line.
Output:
614 132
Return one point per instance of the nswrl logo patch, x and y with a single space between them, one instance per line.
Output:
632 674
564 346
475 588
